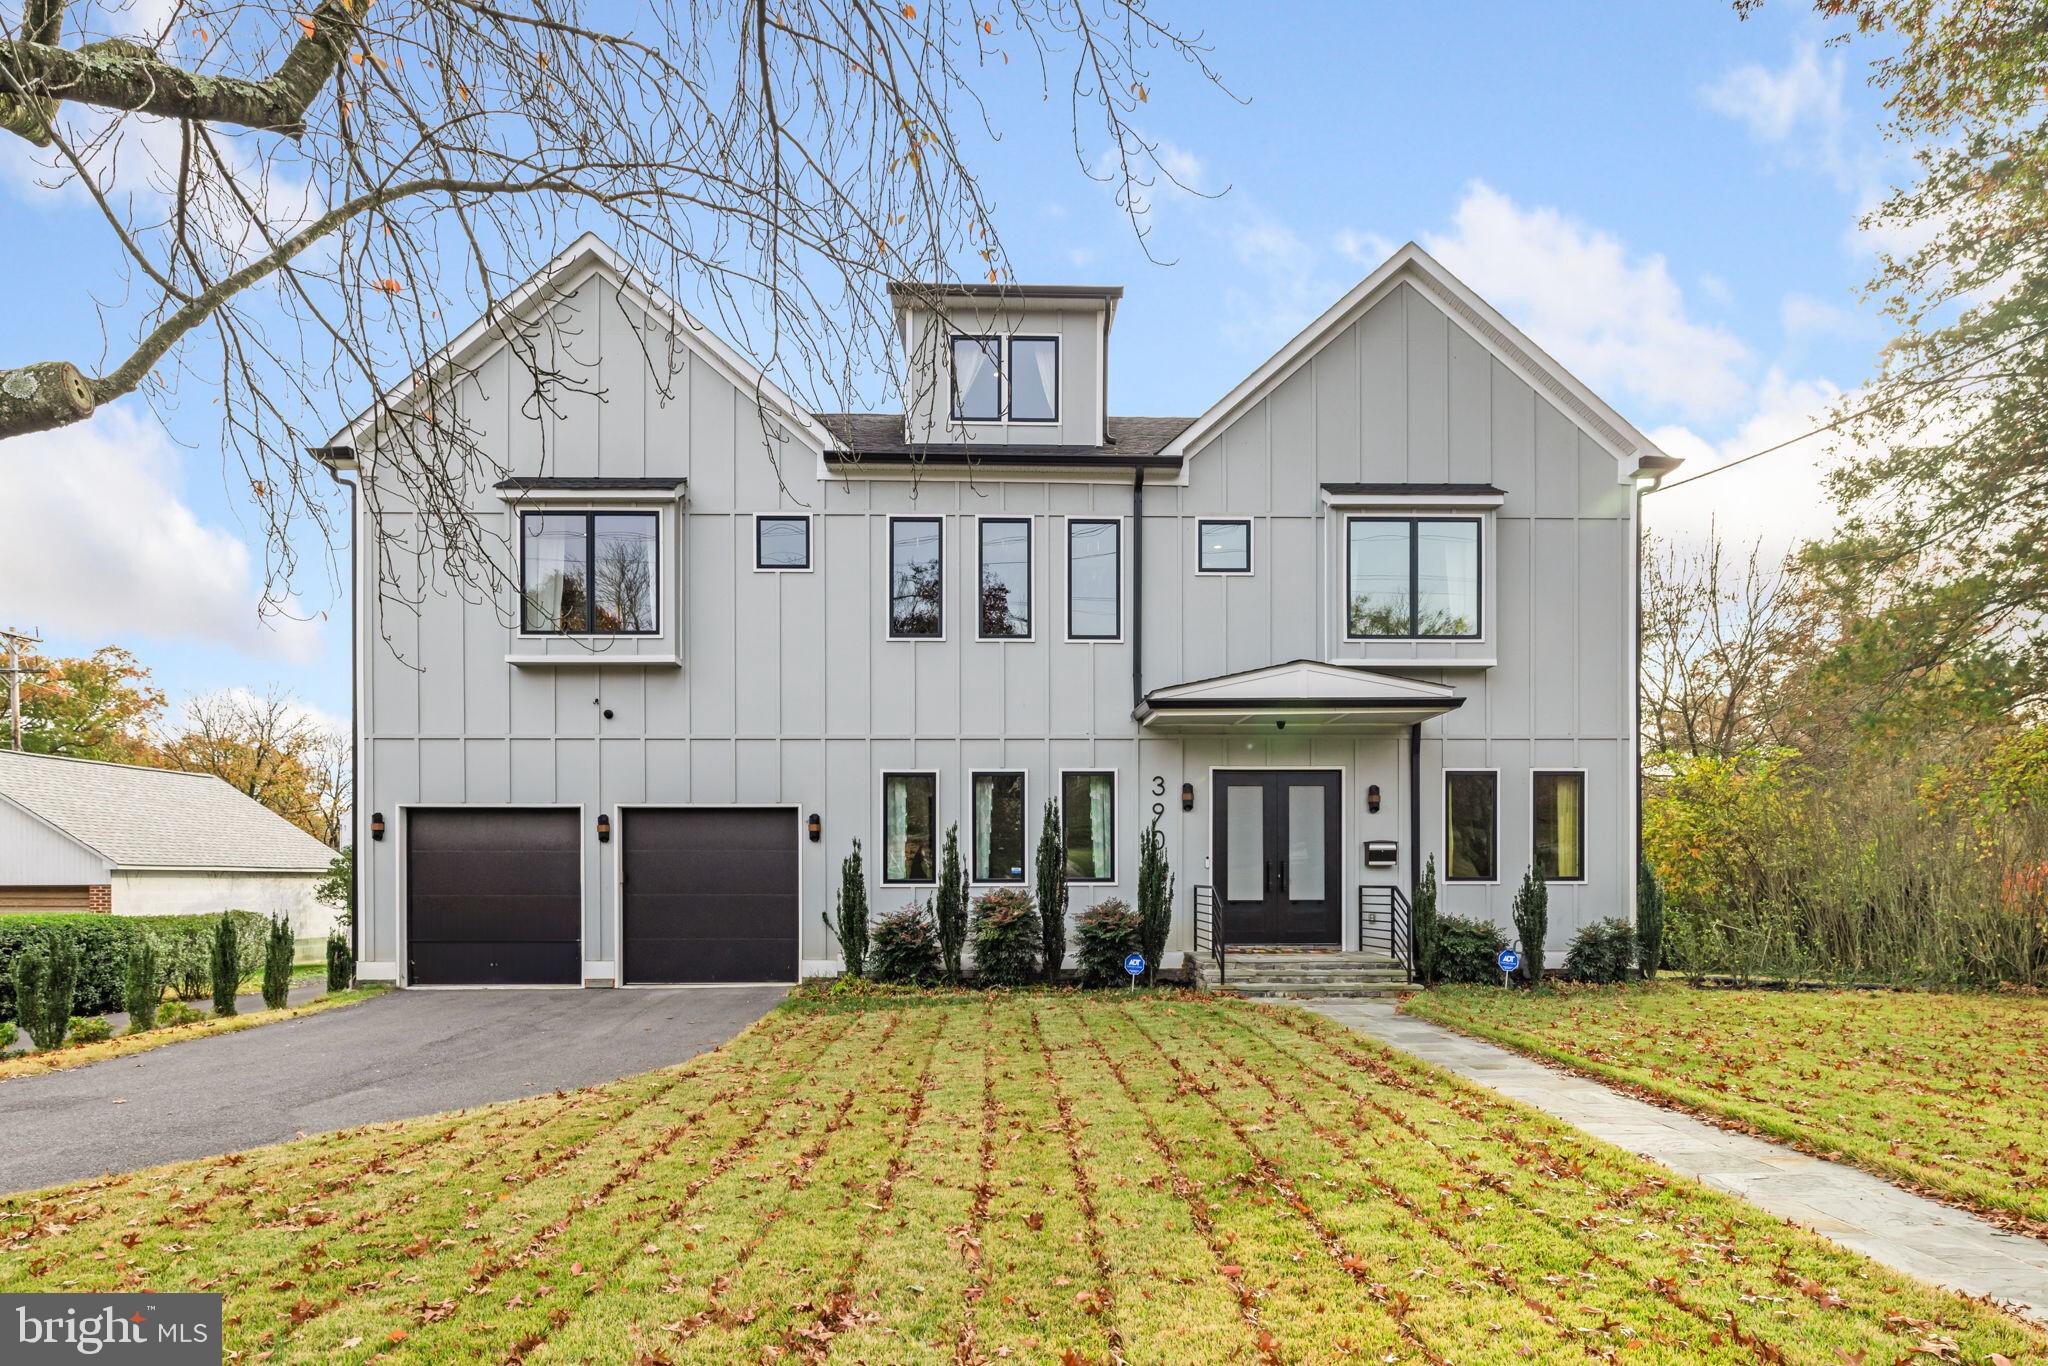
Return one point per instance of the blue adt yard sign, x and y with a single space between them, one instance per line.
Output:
1134 964
1509 960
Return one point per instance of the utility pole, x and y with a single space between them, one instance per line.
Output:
14 671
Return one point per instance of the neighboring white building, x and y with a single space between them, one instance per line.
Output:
81 835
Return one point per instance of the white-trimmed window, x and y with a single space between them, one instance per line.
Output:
1034 379
1557 815
590 573
1000 850
1013 379
1223 545
1003 592
917 578
977 379
1471 825
1088 824
910 825
1412 578
1095 581
782 543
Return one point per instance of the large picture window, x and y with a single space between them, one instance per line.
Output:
910 819
589 573
1559 813
1411 578
999 847
916 578
1094 578
1471 826
1005 596
1088 825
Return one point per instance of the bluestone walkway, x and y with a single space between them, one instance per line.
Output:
1863 1212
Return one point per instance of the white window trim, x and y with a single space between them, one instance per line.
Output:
1251 549
1585 830
810 519
1412 516
1067 579
889 583
668 553
972 880
1499 854
882 777
1030 570
1116 817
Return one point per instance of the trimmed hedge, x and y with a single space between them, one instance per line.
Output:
103 950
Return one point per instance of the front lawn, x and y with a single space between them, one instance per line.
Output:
1945 1092
1029 1177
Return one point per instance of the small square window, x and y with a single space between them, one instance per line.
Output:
1225 546
782 543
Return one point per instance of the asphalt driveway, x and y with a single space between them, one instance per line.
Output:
405 1054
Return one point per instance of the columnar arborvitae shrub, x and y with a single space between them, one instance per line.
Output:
904 947
851 907
45 983
1532 923
949 906
1428 937
1006 936
1155 897
1105 934
1466 950
227 965
1601 952
1052 891
279 948
145 985
341 962
1649 919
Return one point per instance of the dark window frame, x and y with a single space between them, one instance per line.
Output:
1007 382
882 791
590 516
1250 553
974 777
1449 862
1115 798
1414 525
1030 571
889 596
1536 776
809 532
1116 525
953 373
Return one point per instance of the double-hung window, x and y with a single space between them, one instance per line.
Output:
1088 825
1558 834
1094 578
917 578
1004 596
1014 379
999 848
1471 825
1411 578
590 573
910 823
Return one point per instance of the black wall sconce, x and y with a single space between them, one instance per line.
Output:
814 827
1372 798
604 829
376 825
1187 796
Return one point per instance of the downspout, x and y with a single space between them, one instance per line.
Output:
355 729
1137 587
1414 810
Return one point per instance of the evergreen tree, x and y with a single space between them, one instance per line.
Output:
279 948
145 984
227 966
1155 897
1532 924
851 905
949 906
1052 892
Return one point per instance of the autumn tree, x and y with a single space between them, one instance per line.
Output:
267 748
101 706
308 202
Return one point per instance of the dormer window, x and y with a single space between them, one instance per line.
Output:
985 389
978 379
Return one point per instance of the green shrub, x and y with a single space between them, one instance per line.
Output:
1425 926
45 987
188 963
1107 932
851 907
1155 898
7 1035
279 948
903 946
341 962
1532 923
89 1029
1601 952
1649 918
1466 950
1051 882
102 942
175 1012
949 907
145 985
1005 931
226 969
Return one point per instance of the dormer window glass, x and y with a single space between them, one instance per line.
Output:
978 379
1034 379
1026 389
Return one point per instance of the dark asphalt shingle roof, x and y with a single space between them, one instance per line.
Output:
880 436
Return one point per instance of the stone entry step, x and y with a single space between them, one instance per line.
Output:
1297 973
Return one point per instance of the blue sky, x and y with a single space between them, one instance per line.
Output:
1663 196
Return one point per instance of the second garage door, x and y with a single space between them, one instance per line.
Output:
493 897
710 895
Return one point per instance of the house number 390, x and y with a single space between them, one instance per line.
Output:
1158 790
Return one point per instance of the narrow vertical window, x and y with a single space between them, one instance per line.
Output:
1088 825
1559 813
1472 826
1094 579
1378 567
1034 379
622 563
555 555
1005 596
977 379
916 578
998 828
910 816
1224 547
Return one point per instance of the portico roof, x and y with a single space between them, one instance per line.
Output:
1306 693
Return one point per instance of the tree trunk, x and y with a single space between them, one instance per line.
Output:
36 398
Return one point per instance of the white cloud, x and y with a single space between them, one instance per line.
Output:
1778 499
1804 315
99 544
1617 320
1366 249
1799 102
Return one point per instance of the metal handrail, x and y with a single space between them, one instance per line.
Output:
1207 939
1384 917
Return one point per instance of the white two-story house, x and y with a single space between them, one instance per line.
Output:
1374 605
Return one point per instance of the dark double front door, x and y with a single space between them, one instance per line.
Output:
1276 843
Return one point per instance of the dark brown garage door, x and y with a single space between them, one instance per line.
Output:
711 895
493 898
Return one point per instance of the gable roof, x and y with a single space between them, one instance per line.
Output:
588 255
157 817
1414 266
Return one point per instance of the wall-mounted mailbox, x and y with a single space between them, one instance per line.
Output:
1382 853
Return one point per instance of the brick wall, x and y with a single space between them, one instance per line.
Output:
99 899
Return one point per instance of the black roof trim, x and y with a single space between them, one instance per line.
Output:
899 288
1002 457
573 482
1396 490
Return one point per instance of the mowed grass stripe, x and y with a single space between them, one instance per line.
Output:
1068 1125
